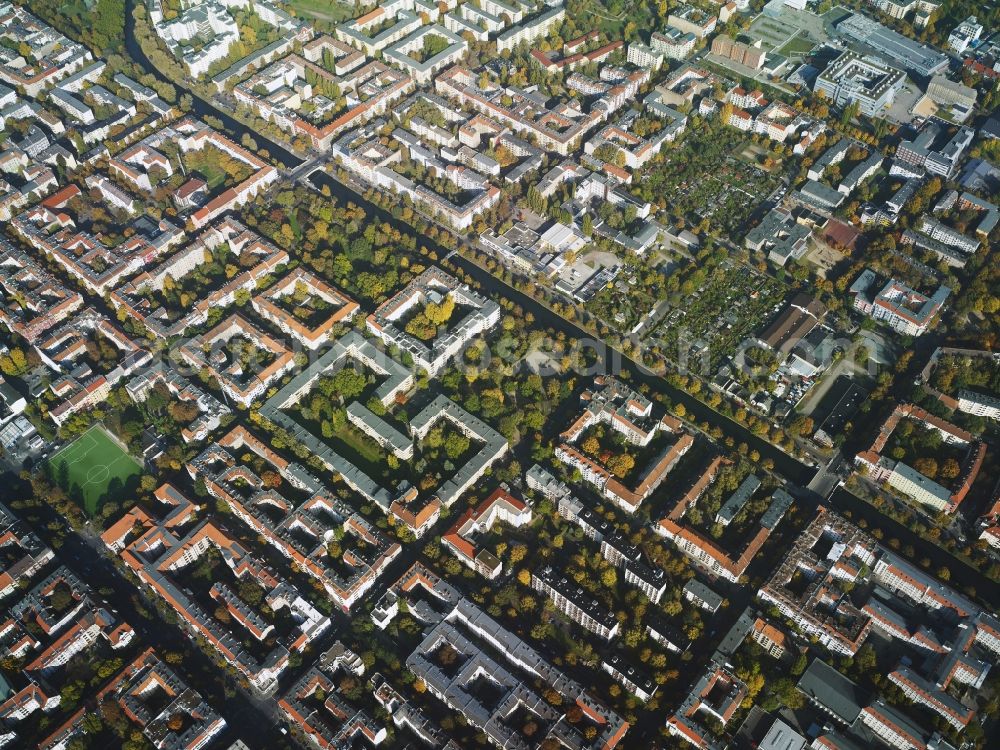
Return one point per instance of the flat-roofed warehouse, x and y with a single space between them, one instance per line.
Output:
917 58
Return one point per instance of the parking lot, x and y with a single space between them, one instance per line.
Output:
910 104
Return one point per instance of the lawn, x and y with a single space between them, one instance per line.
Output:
216 166
797 46
364 448
433 45
94 463
213 175
324 10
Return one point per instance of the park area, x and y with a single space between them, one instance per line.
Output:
93 467
715 313
713 180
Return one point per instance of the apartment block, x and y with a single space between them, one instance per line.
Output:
716 694
302 532
819 608
692 20
293 92
434 285
935 149
225 344
259 258
630 414
632 678
530 29
352 346
769 638
884 470
951 642
462 644
148 677
55 56
84 255
979 404
401 54
382 26
33 300
77 387
748 55
336 723
924 693
194 136
24 553
702 596
573 601
156 549
898 730
276 306
644 56
528 113
903 309
706 552
499 506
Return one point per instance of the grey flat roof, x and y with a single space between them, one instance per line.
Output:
782 737
781 501
739 498
819 195
829 688
913 55
701 591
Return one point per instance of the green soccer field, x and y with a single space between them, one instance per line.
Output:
93 462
